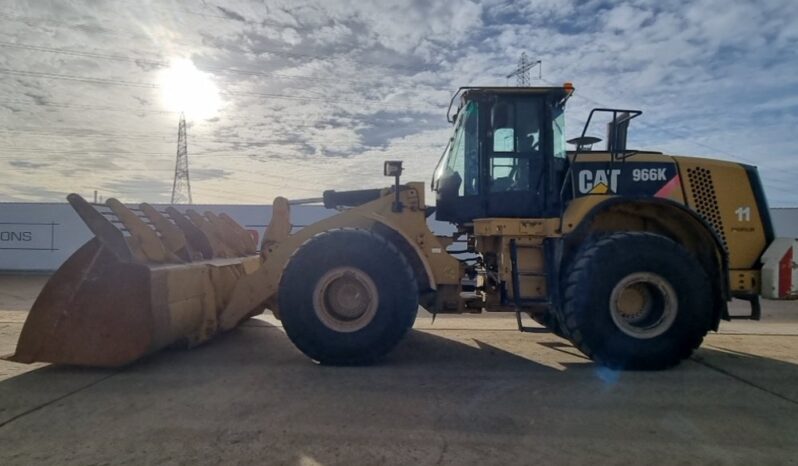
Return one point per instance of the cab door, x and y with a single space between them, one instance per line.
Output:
516 141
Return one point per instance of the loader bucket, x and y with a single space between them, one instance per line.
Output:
147 280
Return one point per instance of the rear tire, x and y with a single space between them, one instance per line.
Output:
636 301
347 297
551 321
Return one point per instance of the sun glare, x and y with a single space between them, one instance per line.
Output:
186 89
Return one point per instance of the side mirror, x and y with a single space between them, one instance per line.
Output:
616 133
449 184
392 168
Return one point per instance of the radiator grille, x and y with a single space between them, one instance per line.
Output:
706 202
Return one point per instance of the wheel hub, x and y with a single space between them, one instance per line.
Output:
634 301
643 305
345 299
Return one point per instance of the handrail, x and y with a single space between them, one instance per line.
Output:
451 102
569 175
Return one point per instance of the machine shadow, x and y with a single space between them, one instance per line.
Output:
257 342
259 345
777 377
253 384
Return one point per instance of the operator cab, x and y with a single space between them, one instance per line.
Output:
507 157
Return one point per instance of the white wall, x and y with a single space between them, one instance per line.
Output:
785 221
40 236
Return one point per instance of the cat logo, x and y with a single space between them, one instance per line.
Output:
598 181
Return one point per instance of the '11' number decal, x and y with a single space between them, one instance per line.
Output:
743 214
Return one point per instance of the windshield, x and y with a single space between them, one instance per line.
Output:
461 159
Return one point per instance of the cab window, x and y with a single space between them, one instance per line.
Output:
504 140
516 133
463 157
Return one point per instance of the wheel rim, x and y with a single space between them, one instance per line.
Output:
643 305
345 299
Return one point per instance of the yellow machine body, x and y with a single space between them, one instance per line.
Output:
138 286
150 279
100 309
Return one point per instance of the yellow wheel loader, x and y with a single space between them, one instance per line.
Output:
631 255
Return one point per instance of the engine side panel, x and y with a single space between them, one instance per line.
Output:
722 193
640 175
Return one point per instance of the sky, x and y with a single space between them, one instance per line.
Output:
294 97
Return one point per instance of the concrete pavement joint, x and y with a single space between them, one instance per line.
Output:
479 329
720 370
56 399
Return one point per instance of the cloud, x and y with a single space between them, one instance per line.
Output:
317 93
25 164
231 14
627 18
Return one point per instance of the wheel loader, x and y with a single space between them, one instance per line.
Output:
631 255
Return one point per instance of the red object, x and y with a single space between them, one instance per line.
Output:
669 187
785 274
254 234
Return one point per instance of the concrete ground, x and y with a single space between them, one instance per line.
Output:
468 389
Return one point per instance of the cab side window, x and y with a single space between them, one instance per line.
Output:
464 157
516 134
504 140
503 126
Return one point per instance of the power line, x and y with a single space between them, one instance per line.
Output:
32 104
119 82
671 132
787 185
76 134
102 152
164 64
232 175
150 85
257 155
260 50
87 107
85 79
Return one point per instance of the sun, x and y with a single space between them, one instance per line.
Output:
186 89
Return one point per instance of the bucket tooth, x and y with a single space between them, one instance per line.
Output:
246 239
229 234
197 239
171 236
143 239
220 248
105 231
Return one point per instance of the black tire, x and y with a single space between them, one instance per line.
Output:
589 320
551 321
376 331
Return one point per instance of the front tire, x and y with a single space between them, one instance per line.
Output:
347 297
636 301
